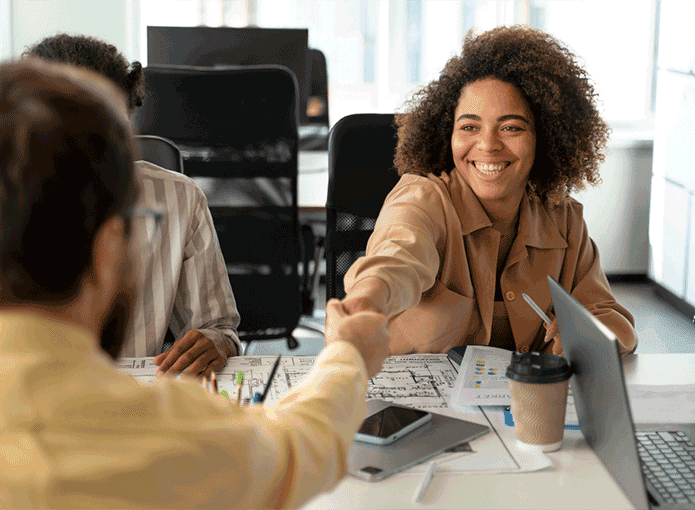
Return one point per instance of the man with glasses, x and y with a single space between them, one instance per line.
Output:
186 294
76 432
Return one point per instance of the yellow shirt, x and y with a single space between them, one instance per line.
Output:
435 248
76 432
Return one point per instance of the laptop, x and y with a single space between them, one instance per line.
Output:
654 464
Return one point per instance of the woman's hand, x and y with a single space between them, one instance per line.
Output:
365 330
357 304
552 334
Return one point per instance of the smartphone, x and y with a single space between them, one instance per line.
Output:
391 423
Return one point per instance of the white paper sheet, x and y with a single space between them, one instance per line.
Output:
489 454
662 403
424 381
481 379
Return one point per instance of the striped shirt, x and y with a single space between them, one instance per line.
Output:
184 278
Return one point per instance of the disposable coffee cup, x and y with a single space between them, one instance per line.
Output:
539 398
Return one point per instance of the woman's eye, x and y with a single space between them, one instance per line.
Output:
512 128
468 128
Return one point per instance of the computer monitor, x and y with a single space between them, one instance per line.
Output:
214 46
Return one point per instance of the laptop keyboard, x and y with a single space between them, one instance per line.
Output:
668 462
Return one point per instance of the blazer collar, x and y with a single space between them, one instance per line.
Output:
536 228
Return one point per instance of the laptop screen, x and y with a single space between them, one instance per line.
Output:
599 392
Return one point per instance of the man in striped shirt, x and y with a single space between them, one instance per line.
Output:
184 286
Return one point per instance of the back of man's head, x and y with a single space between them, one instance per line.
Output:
66 166
96 55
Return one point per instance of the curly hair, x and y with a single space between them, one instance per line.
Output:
570 133
95 55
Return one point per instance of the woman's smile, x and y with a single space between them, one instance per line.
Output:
488 168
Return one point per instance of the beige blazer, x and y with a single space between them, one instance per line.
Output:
434 247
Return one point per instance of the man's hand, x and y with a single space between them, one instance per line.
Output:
194 353
552 333
365 330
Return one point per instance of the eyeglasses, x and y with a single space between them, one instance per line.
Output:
145 224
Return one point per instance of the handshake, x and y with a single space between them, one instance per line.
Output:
366 330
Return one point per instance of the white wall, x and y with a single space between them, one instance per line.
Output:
112 20
617 211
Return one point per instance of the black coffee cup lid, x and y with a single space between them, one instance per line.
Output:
538 368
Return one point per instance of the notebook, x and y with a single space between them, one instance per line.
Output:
654 464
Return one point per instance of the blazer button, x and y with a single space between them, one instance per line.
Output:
510 295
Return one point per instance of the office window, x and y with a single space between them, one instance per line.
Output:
616 41
6 35
379 52
369 36
414 38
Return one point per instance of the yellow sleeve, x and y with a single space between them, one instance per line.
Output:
281 456
176 446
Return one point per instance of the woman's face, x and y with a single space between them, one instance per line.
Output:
494 140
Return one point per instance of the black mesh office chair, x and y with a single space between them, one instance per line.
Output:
161 152
237 130
360 174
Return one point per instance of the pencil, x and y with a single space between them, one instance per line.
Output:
425 483
239 384
270 379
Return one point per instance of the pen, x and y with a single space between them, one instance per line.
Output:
536 308
425 483
270 380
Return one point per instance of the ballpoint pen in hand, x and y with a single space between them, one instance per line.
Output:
536 309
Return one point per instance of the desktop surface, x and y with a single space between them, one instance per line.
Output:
577 479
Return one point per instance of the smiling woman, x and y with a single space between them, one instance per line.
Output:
488 154
493 144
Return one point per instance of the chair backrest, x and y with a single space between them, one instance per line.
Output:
161 152
361 173
237 130
318 84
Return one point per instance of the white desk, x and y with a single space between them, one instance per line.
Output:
578 479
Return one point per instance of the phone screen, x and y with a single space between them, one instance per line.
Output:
390 420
